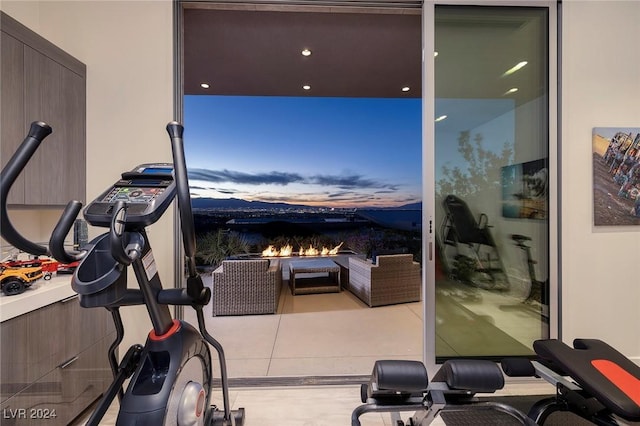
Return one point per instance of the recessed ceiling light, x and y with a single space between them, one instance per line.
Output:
204 85
510 91
515 68
306 87
406 88
442 117
306 52
435 54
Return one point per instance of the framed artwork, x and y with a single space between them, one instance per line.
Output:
616 176
525 190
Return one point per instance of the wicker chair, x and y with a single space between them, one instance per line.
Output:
246 287
392 279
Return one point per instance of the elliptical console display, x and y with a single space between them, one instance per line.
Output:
147 190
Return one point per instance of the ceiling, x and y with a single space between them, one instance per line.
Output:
256 51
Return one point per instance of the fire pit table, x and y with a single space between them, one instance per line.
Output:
307 276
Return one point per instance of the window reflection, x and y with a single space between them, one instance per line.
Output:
491 180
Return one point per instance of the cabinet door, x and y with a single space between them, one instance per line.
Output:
12 130
88 377
34 344
64 393
55 95
41 82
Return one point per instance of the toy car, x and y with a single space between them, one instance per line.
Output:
14 281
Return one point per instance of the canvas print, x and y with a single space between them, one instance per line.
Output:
616 176
525 190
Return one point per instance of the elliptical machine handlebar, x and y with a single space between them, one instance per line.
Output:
37 132
195 287
176 130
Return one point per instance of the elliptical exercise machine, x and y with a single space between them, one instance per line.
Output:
172 372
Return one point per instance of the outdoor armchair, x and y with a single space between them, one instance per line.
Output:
246 287
391 279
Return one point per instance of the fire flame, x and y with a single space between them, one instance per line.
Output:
287 250
311 251
270 251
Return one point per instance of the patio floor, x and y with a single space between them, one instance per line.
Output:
337 334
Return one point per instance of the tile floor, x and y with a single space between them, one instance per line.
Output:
332 334
319 405
337 334
317 334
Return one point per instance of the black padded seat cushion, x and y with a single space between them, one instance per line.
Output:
471 374
599 369
400 376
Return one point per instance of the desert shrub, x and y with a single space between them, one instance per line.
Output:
214 247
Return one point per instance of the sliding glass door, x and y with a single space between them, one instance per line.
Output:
491 172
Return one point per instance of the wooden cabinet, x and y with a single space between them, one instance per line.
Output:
12 121
54 359
40 82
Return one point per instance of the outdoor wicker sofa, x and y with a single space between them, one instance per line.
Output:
392 279
246 287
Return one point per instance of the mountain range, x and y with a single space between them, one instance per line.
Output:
236 203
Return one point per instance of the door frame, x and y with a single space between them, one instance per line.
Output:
429 225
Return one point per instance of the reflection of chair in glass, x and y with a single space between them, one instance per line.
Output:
392 279
246 287
475 255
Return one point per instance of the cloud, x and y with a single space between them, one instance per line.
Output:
348 182
227 191
349 194
271 178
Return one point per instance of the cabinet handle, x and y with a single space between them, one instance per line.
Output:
68 363
69 299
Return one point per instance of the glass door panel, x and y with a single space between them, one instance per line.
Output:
491 180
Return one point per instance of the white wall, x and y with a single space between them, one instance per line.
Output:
600 88
128 49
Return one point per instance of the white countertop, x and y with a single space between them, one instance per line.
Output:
41 293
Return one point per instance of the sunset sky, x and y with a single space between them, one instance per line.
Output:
336 152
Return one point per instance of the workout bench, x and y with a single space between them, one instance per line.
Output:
397 386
